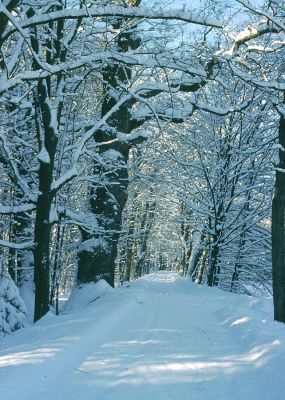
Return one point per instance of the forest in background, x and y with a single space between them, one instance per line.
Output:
136 137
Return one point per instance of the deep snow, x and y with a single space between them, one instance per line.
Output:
160 338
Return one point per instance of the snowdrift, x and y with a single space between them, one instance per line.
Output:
84 295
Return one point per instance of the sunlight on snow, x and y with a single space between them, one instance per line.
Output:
141 368
240 321
130 342
37 356
29 357
164 277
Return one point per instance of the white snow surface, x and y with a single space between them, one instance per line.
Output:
161 337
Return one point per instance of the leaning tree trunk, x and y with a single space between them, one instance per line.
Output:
278 231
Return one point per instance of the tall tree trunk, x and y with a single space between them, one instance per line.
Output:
278 231
48 98
42 223
97 255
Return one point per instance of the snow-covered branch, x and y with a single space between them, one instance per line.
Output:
115 11
248 34
19 209
270 17
17 246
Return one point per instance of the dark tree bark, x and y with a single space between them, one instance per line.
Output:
43 207
278 231
47 134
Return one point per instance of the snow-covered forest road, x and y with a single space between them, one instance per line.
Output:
160 338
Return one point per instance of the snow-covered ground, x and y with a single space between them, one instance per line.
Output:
160 338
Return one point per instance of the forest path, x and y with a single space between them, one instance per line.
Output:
161 338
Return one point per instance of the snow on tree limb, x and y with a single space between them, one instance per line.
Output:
19 209
67 177
17 246
249 33
115 11
96 61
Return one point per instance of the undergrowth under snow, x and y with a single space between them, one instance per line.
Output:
12 307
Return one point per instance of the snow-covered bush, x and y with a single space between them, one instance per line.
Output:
12 307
